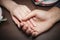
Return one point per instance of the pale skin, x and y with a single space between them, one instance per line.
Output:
36 22
17 11
13 8
44 20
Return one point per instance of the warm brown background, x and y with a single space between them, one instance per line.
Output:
9 30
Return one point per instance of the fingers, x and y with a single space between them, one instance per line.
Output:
16 21
27 9
29 16
24 10
25 26
27 23
28 31
21 11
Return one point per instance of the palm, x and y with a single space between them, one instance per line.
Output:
42 22
40 27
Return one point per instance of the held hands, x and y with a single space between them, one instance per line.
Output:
33 22
20 12
43 20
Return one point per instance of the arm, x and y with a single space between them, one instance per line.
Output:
56 10
9 4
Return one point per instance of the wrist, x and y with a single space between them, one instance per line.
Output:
55 9
55 13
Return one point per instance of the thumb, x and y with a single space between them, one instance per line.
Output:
32 14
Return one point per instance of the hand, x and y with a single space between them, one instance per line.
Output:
20 12
43 20
17 12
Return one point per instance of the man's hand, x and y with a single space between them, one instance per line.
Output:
43 20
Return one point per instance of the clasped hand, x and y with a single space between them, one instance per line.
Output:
32 22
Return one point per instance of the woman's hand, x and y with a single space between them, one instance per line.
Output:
20 12
17 12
